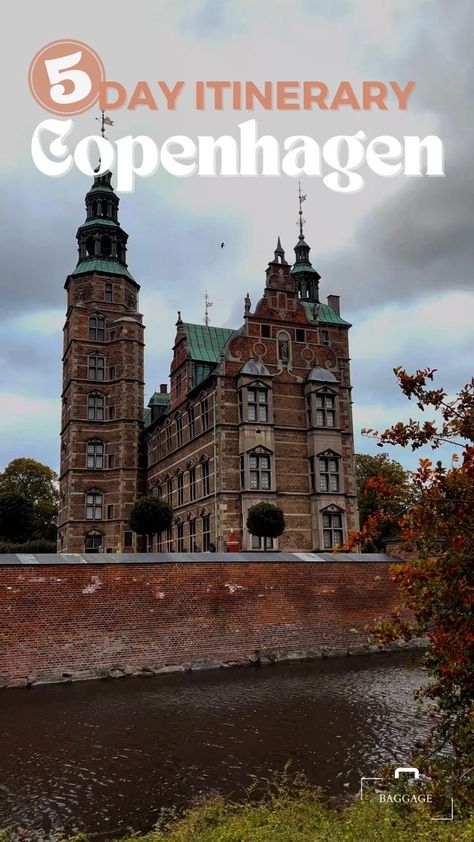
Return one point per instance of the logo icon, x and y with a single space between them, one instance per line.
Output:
65 76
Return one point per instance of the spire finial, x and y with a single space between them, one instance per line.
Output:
104 121
301 199
207 305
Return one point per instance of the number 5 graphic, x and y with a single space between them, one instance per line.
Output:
65 76
59 71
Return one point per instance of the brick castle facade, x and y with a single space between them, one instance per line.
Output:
262 412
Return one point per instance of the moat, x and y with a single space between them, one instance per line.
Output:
106 756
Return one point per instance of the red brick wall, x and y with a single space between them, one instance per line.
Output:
66 622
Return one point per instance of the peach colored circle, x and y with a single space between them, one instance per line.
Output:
40 83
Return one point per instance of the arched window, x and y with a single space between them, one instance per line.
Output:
179 430
205 476
94 504
180 482
95 407
105 247
180 535
95 454
90 246
97 328
192 481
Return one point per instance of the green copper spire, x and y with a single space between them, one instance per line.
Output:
101 241
307 278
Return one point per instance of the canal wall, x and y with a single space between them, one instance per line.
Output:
66 618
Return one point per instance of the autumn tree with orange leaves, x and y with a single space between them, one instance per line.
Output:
436 581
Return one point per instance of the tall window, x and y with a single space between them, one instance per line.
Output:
332 530
95 454
205 477
96 367
95 407
180 489
93 543
180 536
94 501
169 540
329 473
325 410
191 422
97 328
257 403
192 483
324 337
192 535
179 380
205 413
206 533
179 431
260 468
169 489
108 293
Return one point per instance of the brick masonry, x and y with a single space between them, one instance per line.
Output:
78 621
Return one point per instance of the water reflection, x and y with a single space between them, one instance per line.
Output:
105 756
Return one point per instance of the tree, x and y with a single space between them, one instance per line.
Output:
265 520
39 484
380 466
437 580
16 516
150 515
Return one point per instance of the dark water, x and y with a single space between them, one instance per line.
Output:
105 756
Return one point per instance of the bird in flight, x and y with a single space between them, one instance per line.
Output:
222 245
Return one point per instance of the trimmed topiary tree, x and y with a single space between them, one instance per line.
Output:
16 516
150 516
265 520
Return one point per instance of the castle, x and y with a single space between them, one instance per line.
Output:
262 412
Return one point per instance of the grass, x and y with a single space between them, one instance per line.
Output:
299 817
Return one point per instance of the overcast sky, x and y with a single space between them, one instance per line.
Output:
400 252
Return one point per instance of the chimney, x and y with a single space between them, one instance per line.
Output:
163 388
334 302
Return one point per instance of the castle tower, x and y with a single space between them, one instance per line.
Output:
101 471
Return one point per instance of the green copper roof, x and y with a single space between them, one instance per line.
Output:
98 220
159 399
100 264
326 314
304 267
205 343
147 416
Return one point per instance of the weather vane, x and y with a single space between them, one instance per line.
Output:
301 199
104 121
207 304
